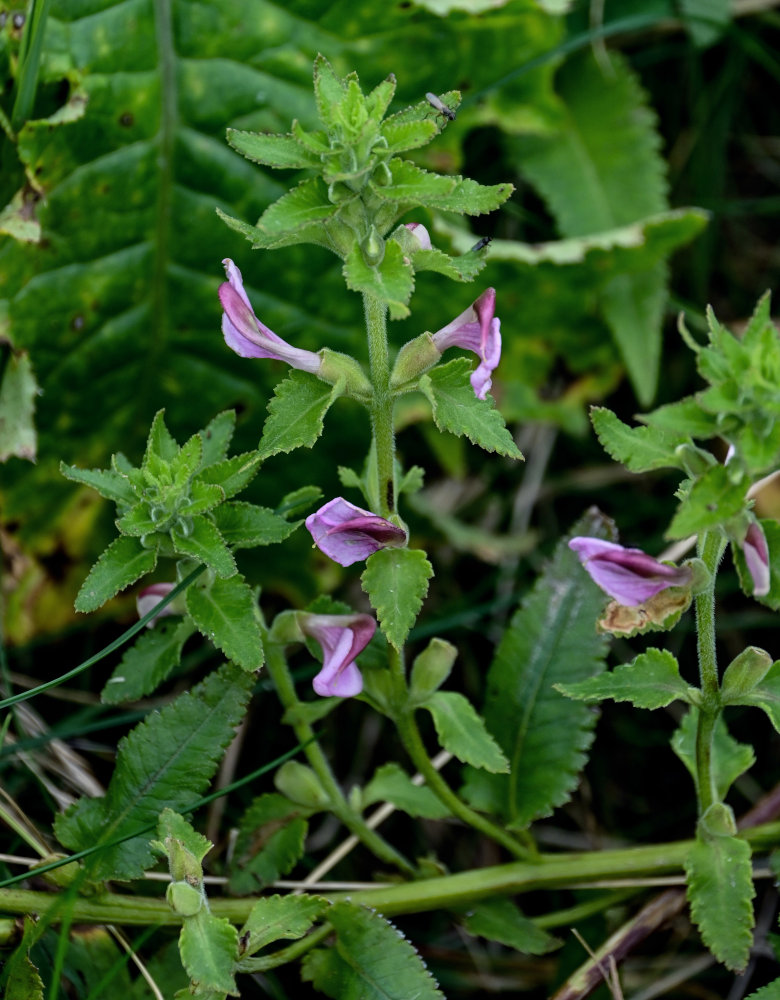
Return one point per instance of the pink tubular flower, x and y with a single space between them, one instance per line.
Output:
348 533
247 336
756 553
418 230
630 576
342 637
477 329
150 597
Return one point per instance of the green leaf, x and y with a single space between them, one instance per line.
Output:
370 961
391 281
706 20
160 443
204 543
270 841
276 918
651 680
500 920
600 171
463 733
18 390
638 448
463 268
396 581
767 695
225 613
272 150
216 437
172 826
769 992
296 413
684 417
147 663
471 198
412 185
551 639
209 949
456 409
243 525
404 135
711 501
729 757
167 760
106 482
232 474
391 783
296 209
22 980
720 891
122 563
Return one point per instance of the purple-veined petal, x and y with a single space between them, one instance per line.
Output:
421 233
342 638
150 597
630 576
477 329
756 552
348 534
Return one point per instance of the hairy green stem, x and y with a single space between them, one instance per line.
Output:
382 403
413 742
711 546
285 688
445 892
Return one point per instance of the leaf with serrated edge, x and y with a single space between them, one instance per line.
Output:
711 501
651 680
463 733
168 759
205 543
296 413
456 409
106 482
500 920
243 525
638 448
147 663
720 891
730 758
270 841
551 639
209 948
271 150
392 280
225 614
371 960
276 918
392 784
122 563
396 581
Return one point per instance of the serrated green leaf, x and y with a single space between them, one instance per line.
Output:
122 563
463 733
270 842
167 760
328 91
500 920
280 918
638 448
204 496
272 150
457 409
396 581
136 521
299 501
767 695
216 437
147 663
22 980
232 474
551 639
729 757
106 482
391 783
296 209
769 992
712 500
391 281
651 680
683 417
204 543
225 614
463 268
296 413
412 185
18 390
371 960
468 197
209 950
243 525
404 135
720 891
174 826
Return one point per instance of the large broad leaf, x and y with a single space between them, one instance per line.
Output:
600 171
551 640
165 761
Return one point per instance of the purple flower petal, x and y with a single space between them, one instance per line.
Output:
630 576
422 234
343 638
477 329
756 552
348 534
150 597
247 336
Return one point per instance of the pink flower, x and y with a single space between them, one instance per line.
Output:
630 576
342 637
150 597
247 336
477 329
756 553
348 533
421 233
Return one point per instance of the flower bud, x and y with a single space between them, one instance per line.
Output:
414 359
432 667
373 248
744 673
335 367
301 785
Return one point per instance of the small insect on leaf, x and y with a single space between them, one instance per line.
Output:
440 106
481 244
